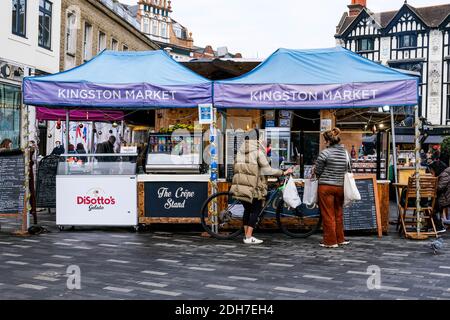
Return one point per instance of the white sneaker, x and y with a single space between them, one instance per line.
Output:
252 240
346 242
328 246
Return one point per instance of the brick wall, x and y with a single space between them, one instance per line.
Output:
102 19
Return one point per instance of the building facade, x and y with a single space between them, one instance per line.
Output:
29 38
157 23
414 39
90 26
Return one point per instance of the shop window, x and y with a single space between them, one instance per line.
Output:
87 43
19 16
101 41
10 100
365 45
407 41
45 24
71 33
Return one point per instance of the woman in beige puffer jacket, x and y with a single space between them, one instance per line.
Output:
249 183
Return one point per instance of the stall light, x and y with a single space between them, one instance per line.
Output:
115 125
381 126
386 108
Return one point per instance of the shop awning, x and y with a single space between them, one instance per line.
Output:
43 113
319 78
138 80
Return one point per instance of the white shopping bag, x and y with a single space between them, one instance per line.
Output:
351 192
290 194
310 191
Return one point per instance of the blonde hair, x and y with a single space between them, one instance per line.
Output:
332 136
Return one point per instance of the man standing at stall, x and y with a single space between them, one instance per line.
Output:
106 147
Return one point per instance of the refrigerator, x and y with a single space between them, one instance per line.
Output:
278 139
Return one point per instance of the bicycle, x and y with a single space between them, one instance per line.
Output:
226 224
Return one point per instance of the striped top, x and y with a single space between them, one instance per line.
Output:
331 165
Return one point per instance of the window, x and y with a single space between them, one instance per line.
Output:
365 45
101 41
155 28
10 101
87 42
71 33
19 15
164 29
125 47
407 41
45 24
114 44
146 25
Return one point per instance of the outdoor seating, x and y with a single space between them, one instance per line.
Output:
408 208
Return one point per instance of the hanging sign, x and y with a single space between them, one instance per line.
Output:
205 113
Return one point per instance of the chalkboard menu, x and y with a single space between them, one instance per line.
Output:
46 182
174 199
12 182
363 214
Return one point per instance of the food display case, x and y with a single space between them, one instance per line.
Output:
96 190
174 153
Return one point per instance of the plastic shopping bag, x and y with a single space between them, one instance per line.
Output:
290 194
310 191
351 192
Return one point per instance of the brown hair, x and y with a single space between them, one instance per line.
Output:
332 136
5 143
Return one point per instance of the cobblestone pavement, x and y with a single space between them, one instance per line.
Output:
120 264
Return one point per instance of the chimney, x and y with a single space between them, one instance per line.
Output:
356 7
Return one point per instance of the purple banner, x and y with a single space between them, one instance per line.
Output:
43 93
316 96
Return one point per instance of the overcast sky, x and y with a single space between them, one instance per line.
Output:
256 28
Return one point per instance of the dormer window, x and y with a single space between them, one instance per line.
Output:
407 41
365 45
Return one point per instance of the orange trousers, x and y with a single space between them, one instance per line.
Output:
331 201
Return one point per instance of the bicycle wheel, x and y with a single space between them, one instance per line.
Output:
229 212
298 223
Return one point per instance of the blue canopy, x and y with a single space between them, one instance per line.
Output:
121 79
319 78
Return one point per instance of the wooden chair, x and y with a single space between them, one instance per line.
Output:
408 209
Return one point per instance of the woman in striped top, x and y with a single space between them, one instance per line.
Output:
331 166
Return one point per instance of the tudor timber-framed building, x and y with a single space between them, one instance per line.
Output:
415 39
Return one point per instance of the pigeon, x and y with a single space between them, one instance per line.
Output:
437 245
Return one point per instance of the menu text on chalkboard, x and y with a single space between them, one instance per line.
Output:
363 214
12 182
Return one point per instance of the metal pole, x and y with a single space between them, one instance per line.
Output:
394 147
67 131
394 158
416 166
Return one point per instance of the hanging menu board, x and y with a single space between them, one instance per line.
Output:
46 182
12 182
364 214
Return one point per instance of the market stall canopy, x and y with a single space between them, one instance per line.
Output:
43 113
146 79
319 78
